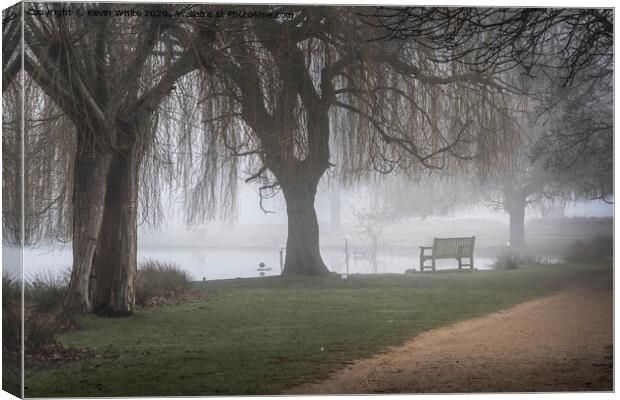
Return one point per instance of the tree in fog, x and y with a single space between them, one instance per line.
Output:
107 76
565 58
516 181
563 153
314 91
576 143
47 155
501 39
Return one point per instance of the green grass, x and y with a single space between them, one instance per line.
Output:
261 336
11 376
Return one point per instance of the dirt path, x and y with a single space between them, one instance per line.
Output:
557 343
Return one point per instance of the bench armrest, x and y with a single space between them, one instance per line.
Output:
422 249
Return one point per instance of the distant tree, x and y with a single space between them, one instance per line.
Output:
565 57
543 165
577 136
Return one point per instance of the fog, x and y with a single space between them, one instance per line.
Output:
228 249
219 158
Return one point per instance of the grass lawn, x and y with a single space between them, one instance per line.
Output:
260 336
11 376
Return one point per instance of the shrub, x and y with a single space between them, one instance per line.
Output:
41 328
11 314
512 259
600 247
507 260
46 292
44 316
157 280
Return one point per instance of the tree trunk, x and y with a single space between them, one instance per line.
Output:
115 264
90 171
303 254
517 223
105 228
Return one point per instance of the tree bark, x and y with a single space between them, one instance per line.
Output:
303 253
90 170
105 230
113 290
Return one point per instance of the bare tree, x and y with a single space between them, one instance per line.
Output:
565 57
104 75
298 84
527 175
500 39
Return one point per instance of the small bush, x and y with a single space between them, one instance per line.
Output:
11 314
512 259
46 293
43 312
600 247
507 260
157 280
41 329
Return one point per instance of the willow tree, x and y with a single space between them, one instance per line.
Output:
11 127
108 76
313 91
36 208
11 44
565 61
502 39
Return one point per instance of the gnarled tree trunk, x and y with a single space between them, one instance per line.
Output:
90 170
303 253
116 260
105 230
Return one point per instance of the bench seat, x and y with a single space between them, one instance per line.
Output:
457 248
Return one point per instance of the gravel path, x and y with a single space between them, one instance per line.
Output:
563 342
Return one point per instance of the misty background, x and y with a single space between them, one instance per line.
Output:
227 249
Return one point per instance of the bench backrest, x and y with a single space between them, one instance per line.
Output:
453 247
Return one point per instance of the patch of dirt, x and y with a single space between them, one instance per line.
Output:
563 342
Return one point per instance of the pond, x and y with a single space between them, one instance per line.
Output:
228 263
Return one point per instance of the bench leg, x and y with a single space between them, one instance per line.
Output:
471 264
433 265
460 260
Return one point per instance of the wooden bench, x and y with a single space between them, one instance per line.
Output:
457 248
